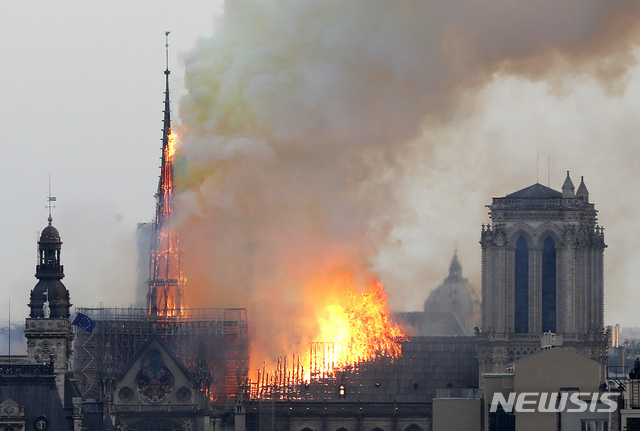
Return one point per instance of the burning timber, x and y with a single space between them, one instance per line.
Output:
216 335
423 367
166 297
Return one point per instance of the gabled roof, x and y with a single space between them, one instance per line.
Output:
154 338
536 191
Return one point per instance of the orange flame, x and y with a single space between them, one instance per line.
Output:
353 327
171 146
166 296
355 330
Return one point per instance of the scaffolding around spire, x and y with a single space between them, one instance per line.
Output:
166 297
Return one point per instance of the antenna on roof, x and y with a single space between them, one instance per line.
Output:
537 167
548 171
49 200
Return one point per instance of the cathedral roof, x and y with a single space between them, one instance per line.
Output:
536 191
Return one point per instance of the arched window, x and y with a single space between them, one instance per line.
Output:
521 293
413 427
549 285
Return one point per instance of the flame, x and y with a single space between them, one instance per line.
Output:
170 150
355 329
166 296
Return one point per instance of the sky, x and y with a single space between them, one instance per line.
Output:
427 123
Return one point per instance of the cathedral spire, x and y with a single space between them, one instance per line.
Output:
568 190
582 191
166 295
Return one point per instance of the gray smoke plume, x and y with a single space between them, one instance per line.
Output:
303 119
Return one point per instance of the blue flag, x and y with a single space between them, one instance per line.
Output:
85 322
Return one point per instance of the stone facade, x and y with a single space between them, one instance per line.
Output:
155 391
542 271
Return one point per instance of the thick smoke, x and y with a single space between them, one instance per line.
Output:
300 122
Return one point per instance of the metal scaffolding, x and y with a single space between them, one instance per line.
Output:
218 334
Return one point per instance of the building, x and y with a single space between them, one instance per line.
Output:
452 309
161 367
38 390
167 296
552 389
542 271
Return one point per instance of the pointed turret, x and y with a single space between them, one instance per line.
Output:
568 191
582 191
166 295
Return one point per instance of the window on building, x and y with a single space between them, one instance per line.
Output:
521 294
596 425
549 285
633 424
501 420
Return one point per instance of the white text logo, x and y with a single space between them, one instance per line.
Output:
553 402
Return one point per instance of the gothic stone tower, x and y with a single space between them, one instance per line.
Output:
47 329
542 270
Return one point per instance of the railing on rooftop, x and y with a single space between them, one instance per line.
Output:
26 369
189 314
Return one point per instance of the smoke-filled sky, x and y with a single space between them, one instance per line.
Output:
319 137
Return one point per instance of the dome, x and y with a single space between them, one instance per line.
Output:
56 292
454 295
50 234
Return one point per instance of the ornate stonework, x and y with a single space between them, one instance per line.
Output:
542 270
12 416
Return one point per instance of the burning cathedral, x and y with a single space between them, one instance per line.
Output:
168 367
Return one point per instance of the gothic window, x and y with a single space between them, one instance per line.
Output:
125 394
549 285
154 381
183 394
521 294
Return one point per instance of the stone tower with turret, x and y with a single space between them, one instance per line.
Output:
542 271
47 329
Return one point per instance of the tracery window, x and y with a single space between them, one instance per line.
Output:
521 294
549 285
